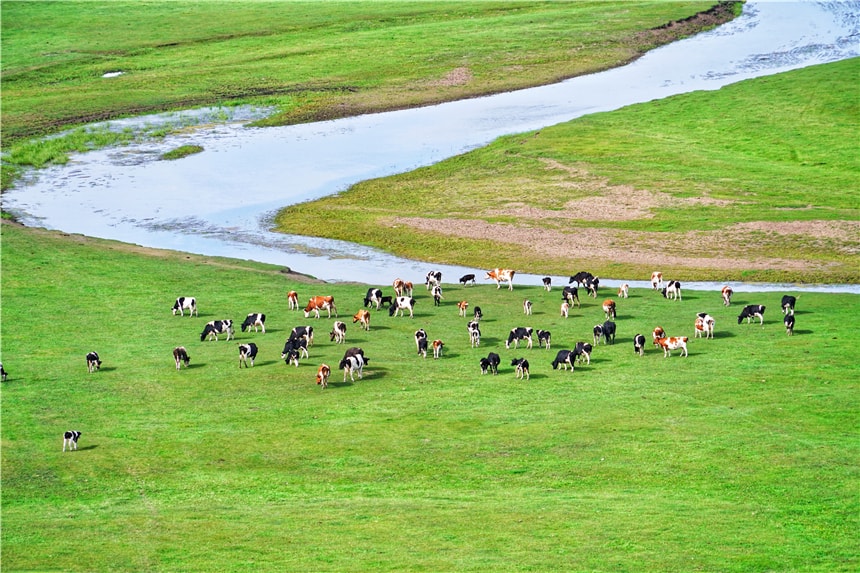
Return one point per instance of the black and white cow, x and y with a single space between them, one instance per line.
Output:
517 334
788 303
184 303
247 352
254 320
295 348
581 278
215 327
70 439
591 286
581 351
3 373
606 331
751 311
491 363
527 307
400 305
437 295
570 295
788 320
180 356
639 344
352 365
420 336
563 359
470 278
306 332
433 278
672 290
373 296
474 330
522 367
93 361
547 283
338 332
479 314
544 338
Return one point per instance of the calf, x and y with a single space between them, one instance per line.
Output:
490 363
517 334
255 320
338 332
437 348
323 372
215 327
373 296
605 331
527 306
461 307
70 439
470 278
704 325
570 295
581 278
180 356
581 351
386 301
433 278
656 280
402 304
672 290
751 311
184 303
522 367
500 276
788 320
563 359
479 314
247 352
437 295
639 344
93 362
609 308
624 291
352 365
788 303
293 300
306 332
363 318
658 333
474 333
544 337
318 303
419 336
727 293
673 343
547 283
565 309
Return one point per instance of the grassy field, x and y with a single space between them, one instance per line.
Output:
757 181
741 457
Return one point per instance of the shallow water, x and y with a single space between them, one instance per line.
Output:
220 202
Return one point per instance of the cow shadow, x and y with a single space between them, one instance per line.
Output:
106 369
796 332
90 447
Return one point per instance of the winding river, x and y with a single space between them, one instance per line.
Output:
220 202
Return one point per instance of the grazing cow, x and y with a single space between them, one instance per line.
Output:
433 278
727 293
93 362
656 280
522 367
672 290
3 373
591 286
437 348
658 333
704 325
517 334
215 327
318 303
581 351
386 301
373 296
751 311
352 365
639 344
338 332
419 336
402 304
490 363
788 303
544 338
398 285
255 320
527 306
565 309
474 333
180 356
581 278
563 359
624 291
247 352
461 307
547 283
422 346
184 303
788 320
478 313
293 300
606 331
570 295
609 308
673 343
323 372
70 439
363 317
470 278
354 351
437 295
306 332
500 276
294 348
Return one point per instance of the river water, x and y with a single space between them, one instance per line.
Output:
219 202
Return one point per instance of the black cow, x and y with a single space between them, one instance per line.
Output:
216 327
422 346
373 296
517 334
571 296
563 359
751 311
254 320
788 320
581 350
247 352
544 337
639 344
788 303
180 356
605 330
93 361
386 300
491 363
355 351
522 367
581 277
470 278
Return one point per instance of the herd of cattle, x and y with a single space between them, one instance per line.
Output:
403 301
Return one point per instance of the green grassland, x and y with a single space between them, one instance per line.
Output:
741 457
779 149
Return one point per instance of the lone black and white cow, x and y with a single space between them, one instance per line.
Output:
788 303
547 283
491 363
517 334
570 295
479 314
474 330
788 320
70 439
470 278
254 320
247 352
433 278
605 331
581 278
639 344
563 359
352 365
421 342
521 366
751 311
401 305
544 338
581 351
437 295
373 296
672 290
338 332
180 356
184 303
215 327
93 361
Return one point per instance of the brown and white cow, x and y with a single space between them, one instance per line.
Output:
318 303
658 333
180 356
402 287
565 309
624 291
363 318
323 372
668 344
727 293
437 348
704 325
500 276
609 308
462 306
293 300
656 280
